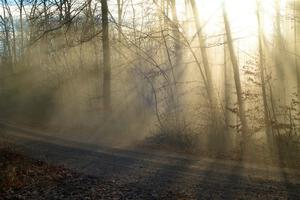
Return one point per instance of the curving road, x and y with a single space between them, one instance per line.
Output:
159 175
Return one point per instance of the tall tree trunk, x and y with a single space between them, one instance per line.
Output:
14 42
90 25
210 86
280 87
226 84
176 67
176 35
12 27
7 39
120 13
21 24
296 49
235 66
262 71
106 59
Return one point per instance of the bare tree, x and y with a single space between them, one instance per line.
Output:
106 59
237 79
296 12
262 71
120 13
207 68
20 5
175 24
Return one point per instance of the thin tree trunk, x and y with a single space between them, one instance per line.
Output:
210 87
120 13
21 25
106 59
14 47
176 66
262 72
279 89
226 84
7 38
296 51
176 35
235 66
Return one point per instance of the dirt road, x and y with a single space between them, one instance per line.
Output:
159 176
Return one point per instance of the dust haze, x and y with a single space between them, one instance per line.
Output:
182 75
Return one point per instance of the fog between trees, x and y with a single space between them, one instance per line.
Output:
182 72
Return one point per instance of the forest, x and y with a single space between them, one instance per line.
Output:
221 78
149 99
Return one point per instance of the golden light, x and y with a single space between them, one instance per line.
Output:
241 13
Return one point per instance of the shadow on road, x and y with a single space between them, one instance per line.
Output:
153 176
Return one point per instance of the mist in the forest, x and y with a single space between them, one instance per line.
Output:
182 74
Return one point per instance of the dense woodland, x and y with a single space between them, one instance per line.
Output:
190 73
